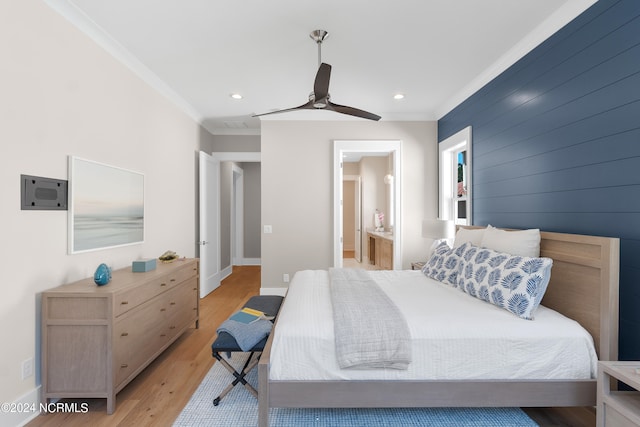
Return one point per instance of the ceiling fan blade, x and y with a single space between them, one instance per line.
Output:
305 106
321 85
352 111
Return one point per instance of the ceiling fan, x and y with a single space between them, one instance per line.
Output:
319 99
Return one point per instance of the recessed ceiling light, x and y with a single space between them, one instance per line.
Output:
398 96
236 96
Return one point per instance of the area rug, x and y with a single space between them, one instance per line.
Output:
240 409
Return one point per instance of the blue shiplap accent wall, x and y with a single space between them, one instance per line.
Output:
556 142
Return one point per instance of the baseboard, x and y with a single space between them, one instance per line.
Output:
273 291
226 272
247 261
27 408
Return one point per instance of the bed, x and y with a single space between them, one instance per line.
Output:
583 287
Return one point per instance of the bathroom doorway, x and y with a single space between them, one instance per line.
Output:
379 191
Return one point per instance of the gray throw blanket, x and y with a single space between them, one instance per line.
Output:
370 330
246 335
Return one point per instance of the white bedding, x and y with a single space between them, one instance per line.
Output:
454 335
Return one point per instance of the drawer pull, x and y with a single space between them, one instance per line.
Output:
163 335
163 284
172 327
163 309
124 365
172 280
125 334
195 289
172 303
124 302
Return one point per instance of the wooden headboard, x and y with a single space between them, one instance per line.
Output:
584 284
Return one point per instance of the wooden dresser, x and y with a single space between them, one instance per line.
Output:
96 339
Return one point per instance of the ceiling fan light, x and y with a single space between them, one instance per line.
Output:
236 96
398 96
320 103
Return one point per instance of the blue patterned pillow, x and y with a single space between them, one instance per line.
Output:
515 283
445 264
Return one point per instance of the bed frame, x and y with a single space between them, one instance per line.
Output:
583 286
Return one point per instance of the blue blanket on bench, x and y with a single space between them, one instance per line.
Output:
246 335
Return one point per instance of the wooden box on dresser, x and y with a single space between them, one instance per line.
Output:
96 339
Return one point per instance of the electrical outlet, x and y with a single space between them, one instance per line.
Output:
285 278
27 368
268 229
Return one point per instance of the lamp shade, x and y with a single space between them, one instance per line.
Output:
438 228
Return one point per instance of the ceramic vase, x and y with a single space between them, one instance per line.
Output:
102 276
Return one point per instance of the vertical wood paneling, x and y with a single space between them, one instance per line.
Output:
556 142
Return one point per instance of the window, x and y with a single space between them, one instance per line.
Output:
455 177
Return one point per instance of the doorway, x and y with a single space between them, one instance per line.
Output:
214 246
391 151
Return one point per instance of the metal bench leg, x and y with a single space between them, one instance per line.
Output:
239 376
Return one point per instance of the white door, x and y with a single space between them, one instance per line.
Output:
209 224
358 219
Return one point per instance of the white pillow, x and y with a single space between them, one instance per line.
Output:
464 235
473 236
520 242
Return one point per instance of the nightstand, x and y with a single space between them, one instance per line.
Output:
417 265
618 408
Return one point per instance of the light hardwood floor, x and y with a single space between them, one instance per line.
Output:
158 394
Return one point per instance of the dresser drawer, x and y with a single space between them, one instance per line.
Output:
183 298
142 332
128 363
616 419
132 336
131 298
136 335
183 307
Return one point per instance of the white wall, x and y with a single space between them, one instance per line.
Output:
63 95
297 199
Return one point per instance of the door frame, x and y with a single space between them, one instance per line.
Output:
237 215
240 157
341 147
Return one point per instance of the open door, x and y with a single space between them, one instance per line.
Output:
209 176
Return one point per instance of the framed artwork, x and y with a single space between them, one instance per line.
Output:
106 206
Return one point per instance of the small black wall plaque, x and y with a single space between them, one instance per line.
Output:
37 193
